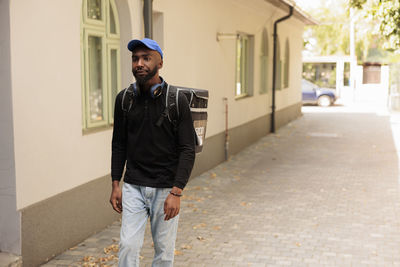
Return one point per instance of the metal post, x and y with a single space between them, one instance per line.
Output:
148 18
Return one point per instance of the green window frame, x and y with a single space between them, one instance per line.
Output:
286 65
100 60
242 65
278 62
264 63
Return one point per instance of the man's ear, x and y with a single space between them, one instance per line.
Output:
160 64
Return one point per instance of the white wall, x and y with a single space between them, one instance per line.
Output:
51 153
194 58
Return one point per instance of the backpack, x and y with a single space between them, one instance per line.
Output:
198 101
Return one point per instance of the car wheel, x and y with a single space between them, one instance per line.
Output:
324 101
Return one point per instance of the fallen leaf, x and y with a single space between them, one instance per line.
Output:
213 175
141 257
102 259
204 212
217 227
88 258
178 252
89 264
73 248
111 248
200 238
298 244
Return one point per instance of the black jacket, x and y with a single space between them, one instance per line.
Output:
155 156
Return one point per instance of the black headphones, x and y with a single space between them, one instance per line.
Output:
155 90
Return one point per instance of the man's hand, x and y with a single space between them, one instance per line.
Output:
172 204
116 197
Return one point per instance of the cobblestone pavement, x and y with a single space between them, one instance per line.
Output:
323 191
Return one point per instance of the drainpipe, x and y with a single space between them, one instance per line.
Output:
226 129
148 18
274 66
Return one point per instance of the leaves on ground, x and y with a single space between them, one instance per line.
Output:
201 225
200 238
111 248
213 175
88 258
178 252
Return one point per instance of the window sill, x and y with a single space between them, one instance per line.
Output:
97 129
238 97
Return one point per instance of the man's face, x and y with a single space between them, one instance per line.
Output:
145 64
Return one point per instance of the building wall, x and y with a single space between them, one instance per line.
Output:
62 174
49 144
190 29
10 218
52 153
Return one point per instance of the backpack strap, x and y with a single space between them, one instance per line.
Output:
171 102
127 102
127 99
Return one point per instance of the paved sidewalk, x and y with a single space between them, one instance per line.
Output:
323 191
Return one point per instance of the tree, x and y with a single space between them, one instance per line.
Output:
386 14
331 36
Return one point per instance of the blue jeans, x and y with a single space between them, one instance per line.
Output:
138 204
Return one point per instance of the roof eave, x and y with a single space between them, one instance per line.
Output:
297 11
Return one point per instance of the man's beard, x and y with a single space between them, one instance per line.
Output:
141 80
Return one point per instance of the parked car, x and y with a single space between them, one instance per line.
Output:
313 94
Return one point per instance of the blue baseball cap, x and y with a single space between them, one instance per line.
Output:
149 43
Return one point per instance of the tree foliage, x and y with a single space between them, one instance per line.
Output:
330 37
386 14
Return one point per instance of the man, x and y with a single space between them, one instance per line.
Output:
159 157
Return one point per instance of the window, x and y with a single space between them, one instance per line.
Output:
243 64
100 42
286 65
278 62
264 63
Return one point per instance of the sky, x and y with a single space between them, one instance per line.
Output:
308 5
